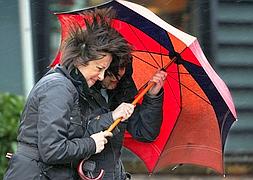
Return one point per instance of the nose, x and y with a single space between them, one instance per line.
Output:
101 76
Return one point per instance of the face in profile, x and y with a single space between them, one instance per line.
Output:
95 70
111 82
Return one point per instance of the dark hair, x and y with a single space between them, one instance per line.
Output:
114 67
94 40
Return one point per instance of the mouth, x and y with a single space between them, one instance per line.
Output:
113 84
114 81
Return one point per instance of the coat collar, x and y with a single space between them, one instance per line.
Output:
81 84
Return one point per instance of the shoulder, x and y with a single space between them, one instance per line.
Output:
56 79
55 83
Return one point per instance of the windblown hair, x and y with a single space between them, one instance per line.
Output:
94 40
114 67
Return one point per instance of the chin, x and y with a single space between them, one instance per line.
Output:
90 84
111 87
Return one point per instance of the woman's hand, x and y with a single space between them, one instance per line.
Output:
100 140
124 110
158 78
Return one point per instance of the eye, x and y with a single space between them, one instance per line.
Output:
99 68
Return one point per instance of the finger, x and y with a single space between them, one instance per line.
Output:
128 112
131 110
8 155
161 74
158 77
161 77
128 105
107 134
131 107
157 80
124 117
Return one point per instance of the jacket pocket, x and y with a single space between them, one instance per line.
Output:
22 167
52 172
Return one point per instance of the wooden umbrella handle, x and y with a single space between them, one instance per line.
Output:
136 100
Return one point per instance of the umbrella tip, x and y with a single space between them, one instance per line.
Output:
176 57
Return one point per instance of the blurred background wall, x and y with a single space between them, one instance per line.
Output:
30 37
10 51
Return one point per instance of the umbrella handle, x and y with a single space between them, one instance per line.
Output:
84 177
136 100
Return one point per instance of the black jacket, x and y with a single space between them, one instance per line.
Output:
143 125
51 136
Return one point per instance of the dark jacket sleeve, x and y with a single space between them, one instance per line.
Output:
144 124
55 103
99 123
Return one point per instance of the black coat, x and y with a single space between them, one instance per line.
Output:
51 136
143 125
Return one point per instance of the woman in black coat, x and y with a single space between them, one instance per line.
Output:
52 136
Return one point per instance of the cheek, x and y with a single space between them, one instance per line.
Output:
94 72
97 73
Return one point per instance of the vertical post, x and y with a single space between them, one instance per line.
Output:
41 28
214 28
26 45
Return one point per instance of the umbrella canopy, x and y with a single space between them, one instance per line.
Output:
198 110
